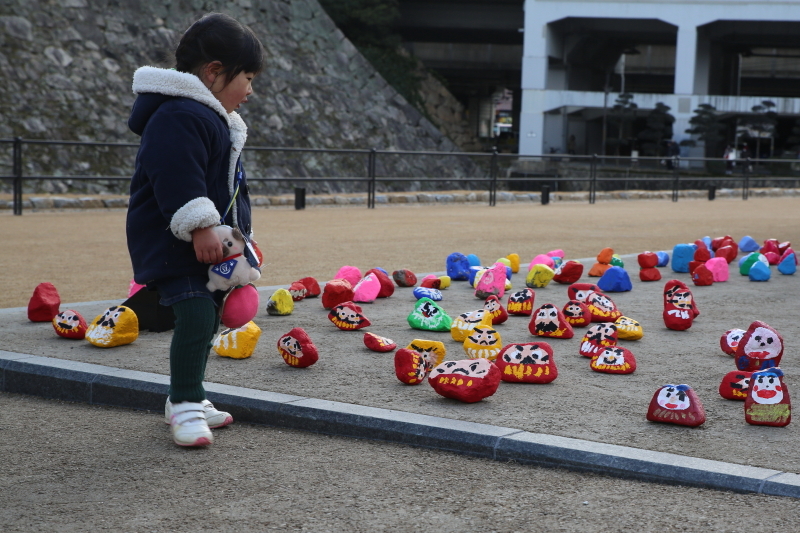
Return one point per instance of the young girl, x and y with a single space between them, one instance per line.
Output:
188 179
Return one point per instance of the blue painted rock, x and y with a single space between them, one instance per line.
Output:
427 315
679 306
549 321
747 262
788 264
663 259
598 338
336 291
735 385
768 402
297 349
297 291
647 266
312 287
603 263
473 260
541 259
483 342
348 316
786 253
238 343
521 302
376 343
70 325
539 276
495 308
530 362
577 314
410 367
557 261
676 404
367 289
431 282
404 278
629 329
759 272
457 266
568 272
44 303
467 380
681 255
614 360
424 292
729 341
761 347
117 326
433 351
702 276
718 266
514 261
463 324
387 287
492 282
280 303
748 244
350 273
615 279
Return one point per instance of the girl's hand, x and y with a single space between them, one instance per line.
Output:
207 245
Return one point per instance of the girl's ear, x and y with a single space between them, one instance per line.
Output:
209 73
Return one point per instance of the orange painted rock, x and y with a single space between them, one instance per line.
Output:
568 272
735 385
70 325
348 316
297 349
117 326
404 278
702 276
761 347
598 338
495 308
376 343
387 286
298 291
530 362
679 312
467 380
729 341
410 367
312 287
44 303
614 360
483 342
521 302
549 321
676 404
768 402
337 291
597 270
603 262
577 314
433 351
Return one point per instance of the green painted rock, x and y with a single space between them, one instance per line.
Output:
427 315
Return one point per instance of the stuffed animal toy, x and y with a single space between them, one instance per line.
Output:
234 269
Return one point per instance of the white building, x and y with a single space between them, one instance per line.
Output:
579 55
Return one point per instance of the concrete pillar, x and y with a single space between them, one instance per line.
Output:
685 59
534 81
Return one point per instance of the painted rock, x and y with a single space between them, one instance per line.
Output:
505 261
681 255
729 341
557 261
281 303
557 253
676 404
542 259
598 269
483 342
515 262
549 321
603 262
647 260
44 303
238 343
118 325
348 316
521 302
788 265
336 291
297 349
473 259
786 253
297 291
475 274
568 272
70 325
404 278
602 308
760 348
467 380
350 273
702 254
433 351
427 315
312 287
410 367
495 308
530 362
539 276
581 291
615 279
718 266
693 265
759 272
748 261
598 338
376 343
444 282
614 360
782 247
387 286
577 314
728 253
748 244
735 385
768 402
464 323
770 245
629 329
457 266
367 289
431 282
678 306
424 292
719 242
702 276
663 259
492 282
240 306
616 260
772 258
649 274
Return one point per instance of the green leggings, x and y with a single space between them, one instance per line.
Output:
196 323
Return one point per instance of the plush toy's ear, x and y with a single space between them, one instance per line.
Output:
237 235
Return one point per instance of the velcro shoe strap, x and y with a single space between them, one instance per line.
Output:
183 412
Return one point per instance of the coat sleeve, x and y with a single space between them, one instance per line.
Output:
175 156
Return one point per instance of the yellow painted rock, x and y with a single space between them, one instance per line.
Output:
628 329
432 351
514 260
483 342
280 303
444 282
464 323
504 260
539 276
117 326
238 343
508 285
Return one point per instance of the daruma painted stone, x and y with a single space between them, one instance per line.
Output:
577 314
44 303
297 349
615 279
241 306
681 255
280 303
348 316
521 302
581 291
424 292
549 321
367 289
679 310
492 282
598 338
530 362
70 325
117 326
614 360
312 287
376 343
729 341
768 402
676 404
719 269
539 276
336 291
427 315
457 266
464 323
483 342
297 291
628 329
467 380
410 367
404 278
237 343
350 273
761 347
433 351
735 385
602 308
387 286
495 308
568 272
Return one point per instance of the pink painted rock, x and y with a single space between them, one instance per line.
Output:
495 308
678 306
387 286
542 259
312 287
702 276
431 282
350 273
521 302
598 338
467 380
240 306
348 316
367 289
410 367
336 291
768 402
718 266
549 321
577 314
676 404
614 360
735 385
133 288
530 362
729 341
376 343
70 325
728 253
568 272
581 291
761 347
602 308
556 253
44 303
492 282
298 291
297 349
404 278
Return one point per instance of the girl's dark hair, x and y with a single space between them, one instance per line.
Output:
218 37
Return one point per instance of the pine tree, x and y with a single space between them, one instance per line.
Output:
657 130
623 113
708 128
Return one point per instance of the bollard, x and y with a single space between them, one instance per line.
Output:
299 198
712 192
545 194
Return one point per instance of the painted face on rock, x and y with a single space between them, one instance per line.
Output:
673 397
763 344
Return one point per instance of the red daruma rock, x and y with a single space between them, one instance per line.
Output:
376 343
549 321
298 291
495 308
729 341
467 380
679 306
598 338
297 349
70 325
337 291
521 302
768 402
530 362
348 316
577 314
410 367
614 360
404 278
761 347
44 303
312 287
735 385
676 404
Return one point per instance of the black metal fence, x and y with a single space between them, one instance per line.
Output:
490 170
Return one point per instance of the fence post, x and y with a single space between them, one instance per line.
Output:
17 188
746 183
371 185
593 179
676 173
493 178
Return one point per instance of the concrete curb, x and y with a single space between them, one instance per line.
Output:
103 385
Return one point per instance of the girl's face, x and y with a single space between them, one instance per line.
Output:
235 93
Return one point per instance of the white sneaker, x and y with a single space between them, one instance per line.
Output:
188 423
215 419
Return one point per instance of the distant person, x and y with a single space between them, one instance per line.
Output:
673 151
730 159
571 145
188 179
